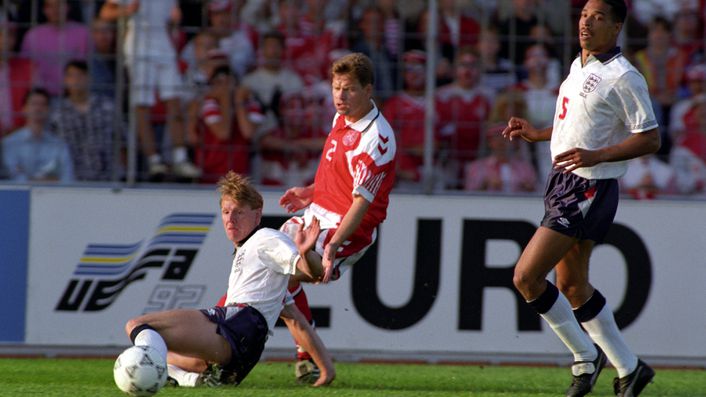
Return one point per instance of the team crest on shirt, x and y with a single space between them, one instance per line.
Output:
350 137
591 82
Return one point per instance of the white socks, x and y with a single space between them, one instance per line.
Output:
150 337
604 331
184 378
561 318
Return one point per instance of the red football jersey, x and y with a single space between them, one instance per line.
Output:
462 114
216 156
406 114
357 158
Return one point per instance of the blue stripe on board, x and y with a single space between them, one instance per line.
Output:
174 241
14 248
102 266
200 219
116 250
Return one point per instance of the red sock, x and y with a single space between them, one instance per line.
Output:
303 305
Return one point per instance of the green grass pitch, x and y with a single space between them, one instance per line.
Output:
94 377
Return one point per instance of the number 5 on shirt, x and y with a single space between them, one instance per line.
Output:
564 107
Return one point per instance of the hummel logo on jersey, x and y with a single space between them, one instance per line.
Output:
382 150
105 270
563 222
591 82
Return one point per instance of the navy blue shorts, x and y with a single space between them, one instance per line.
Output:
245 329
580 207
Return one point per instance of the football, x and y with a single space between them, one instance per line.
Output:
140 371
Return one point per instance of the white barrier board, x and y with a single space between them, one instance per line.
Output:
98 257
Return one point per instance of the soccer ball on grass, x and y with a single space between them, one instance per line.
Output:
140 371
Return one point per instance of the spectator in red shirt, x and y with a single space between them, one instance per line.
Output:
227 118
290 153
456 28
405 111
17 76
463 108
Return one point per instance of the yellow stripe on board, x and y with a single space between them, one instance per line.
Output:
193 229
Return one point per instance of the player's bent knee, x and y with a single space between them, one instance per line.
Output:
130 325
521 281
528 284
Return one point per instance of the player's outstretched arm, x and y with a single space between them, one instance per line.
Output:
305 239
310 341
520 128
297 198
350 222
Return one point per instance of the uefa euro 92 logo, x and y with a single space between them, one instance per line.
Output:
105 270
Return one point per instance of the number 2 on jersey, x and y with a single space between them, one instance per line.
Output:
564 108
329 153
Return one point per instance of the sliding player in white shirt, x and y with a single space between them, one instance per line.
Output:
603 118
234 336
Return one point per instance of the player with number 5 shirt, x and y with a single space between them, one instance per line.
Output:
603 118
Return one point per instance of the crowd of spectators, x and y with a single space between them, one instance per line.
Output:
214 85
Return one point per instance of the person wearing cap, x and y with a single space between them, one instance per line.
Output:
406 113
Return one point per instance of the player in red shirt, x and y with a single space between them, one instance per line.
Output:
351 189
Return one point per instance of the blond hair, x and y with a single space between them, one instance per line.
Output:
357 65
240 189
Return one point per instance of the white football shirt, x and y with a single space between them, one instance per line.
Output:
260 272
600 104
147 34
